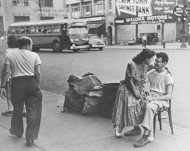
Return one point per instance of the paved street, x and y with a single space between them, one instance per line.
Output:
73 132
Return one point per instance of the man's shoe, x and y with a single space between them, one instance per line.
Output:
6 113
132 132
142 142
29 143
11 132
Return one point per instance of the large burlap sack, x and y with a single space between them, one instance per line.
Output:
73 101
83 85
91 106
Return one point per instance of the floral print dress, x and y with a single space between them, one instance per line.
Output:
128 110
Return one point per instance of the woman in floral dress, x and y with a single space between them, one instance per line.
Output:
129 105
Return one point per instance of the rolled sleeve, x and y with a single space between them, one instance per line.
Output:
38 60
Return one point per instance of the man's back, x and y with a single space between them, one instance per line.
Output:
22 62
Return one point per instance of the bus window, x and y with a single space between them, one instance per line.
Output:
27 30
32 30
16 30
22 30
13 30
56 29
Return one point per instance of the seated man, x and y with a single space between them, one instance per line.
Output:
161 83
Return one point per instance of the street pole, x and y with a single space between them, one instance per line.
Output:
3 3
188 20
163 41
40 7
137 25
183 44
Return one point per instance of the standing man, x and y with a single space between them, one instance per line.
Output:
161 83
24 66
144 41
12 43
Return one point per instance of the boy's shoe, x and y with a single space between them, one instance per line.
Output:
29 143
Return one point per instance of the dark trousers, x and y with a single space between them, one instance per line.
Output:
25 90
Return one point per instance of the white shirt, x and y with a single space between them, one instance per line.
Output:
159 81
22 61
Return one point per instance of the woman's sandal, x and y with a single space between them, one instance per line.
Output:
132 132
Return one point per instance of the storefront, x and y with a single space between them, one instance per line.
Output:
145 16
96 25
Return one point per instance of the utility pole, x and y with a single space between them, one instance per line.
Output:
40 7
3 3
183 44
137 24
188 20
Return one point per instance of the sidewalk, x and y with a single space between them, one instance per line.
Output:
168 46
74 132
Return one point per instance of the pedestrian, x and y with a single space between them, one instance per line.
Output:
144 41
129 106
12 43
161 82
24 66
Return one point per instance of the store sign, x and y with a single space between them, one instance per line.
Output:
99 18
178 10
145 20
130 8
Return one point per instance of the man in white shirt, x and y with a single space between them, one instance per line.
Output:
161 83
24 66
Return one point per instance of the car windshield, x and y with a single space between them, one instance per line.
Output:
93 37
78 30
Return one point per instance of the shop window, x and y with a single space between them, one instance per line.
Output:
100 7
75 10
110 5
87 9
20 2
21 18
46 3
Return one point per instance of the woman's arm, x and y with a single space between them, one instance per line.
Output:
133 88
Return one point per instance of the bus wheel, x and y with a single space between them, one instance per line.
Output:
35 49
75 50
56 46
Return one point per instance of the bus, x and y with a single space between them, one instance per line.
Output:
70 34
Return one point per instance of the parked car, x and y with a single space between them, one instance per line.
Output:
152 39
95 42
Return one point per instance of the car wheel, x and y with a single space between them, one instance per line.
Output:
56 46
178 40
75 50
101 48
154 41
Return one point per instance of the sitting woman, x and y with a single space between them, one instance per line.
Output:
129 106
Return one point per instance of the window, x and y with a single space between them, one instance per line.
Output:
46 3
75 10
20 2
87 9
110 5
100 7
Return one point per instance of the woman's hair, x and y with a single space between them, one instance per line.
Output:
23 42
162 55
143 55
12 41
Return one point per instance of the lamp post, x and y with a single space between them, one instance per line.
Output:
183 44
163 41
136 24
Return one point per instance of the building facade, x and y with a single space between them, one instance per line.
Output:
30 10
99 14
148 16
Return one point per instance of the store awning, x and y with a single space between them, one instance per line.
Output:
95 25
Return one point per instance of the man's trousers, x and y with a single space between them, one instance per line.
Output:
26 90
